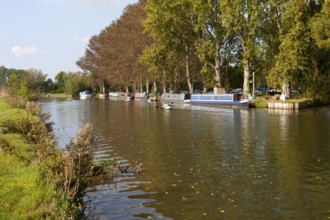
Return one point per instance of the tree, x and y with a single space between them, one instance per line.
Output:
242 18
301 61
59 79
112 56
211 33
171 25
75 83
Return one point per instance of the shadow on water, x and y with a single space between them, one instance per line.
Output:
204 163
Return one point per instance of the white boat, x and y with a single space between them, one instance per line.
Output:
167 106
85 95
120 95
176 97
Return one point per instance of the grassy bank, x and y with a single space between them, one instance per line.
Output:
37 179
23 194
55 95
262 101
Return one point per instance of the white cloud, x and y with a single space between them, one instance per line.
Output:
82 39
22 51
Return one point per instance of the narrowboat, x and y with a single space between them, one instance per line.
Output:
120 96
223 100
175 98
140 95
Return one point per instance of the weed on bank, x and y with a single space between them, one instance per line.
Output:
37 179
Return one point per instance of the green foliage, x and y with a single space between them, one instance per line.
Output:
303 58
317 85
60 80
75 83
26 84
40 181
320 26
21 194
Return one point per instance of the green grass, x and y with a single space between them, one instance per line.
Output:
22 194
262 101
8 113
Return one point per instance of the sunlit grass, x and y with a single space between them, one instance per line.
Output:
22 194
262 101
8 113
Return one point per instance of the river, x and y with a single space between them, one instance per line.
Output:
204 163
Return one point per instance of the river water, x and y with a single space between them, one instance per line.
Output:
204 163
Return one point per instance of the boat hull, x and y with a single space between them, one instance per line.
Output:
85 95
120 96
220 100
175 98
140 96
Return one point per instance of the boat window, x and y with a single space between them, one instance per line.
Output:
205 97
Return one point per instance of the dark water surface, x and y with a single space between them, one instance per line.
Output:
198 164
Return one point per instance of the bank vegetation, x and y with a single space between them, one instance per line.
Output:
38 179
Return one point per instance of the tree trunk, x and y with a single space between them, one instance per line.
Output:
141 86
286 89
147 86
246 83
155 87
126 88
176 74
103 87
134 87
204 87
190 86
164 81
217 66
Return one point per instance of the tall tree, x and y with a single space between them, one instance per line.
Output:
211 32
299 62
112 55
171 23
242 18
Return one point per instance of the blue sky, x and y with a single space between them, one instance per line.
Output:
51 35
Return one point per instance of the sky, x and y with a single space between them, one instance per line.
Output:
51 35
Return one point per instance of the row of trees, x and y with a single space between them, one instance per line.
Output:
30 83
183 44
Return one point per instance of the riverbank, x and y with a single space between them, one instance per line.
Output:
55 95
262 102
39 180
23 194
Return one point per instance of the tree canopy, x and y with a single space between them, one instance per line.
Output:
188 44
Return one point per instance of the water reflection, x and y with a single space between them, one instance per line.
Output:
219 164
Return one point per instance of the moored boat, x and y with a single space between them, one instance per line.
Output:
176 97
85 95
141 95
167 106
223 100
120 96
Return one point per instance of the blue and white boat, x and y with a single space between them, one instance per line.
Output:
85 95
223 100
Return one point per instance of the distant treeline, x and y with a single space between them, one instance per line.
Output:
32 82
